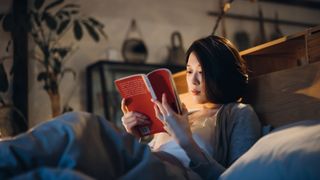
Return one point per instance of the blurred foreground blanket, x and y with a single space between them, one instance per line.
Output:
79 146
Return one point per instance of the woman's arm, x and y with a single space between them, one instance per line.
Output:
202 163
246 132
178 127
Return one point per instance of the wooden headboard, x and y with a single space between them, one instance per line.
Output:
282 89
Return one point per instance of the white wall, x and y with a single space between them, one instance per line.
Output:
157 20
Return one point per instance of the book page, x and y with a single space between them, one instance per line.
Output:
162 82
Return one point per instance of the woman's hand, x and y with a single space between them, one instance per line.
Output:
175 124
131 119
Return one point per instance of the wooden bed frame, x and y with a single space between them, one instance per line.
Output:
284 81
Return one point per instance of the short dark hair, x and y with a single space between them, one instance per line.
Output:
223 69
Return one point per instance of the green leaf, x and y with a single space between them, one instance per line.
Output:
95 22
74 12
63 52
94 35
77 30
62 13
63 26
42 76
4 83
71 6
57 66
46 87
53 4
8 22
66 13
38 4
35 18
51 22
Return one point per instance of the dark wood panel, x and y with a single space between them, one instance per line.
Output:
20 77
287 96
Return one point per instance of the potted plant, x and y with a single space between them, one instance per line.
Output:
48 24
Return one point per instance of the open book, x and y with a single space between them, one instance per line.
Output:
138 90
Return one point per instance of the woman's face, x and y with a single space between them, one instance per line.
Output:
195 81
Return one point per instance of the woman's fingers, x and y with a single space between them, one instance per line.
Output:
159 105
134 117
123 106
158 114
167 129
184 109
166 105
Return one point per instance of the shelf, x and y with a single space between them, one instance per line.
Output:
267 20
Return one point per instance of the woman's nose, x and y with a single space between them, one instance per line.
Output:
195 79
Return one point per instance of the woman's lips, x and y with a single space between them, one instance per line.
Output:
195 92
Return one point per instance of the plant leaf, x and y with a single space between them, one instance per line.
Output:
77 30
51 22
95 22
61 13
94 35
74 12
4 83
35 18
53 4
57 66
71 6
63 26
38 4
42 76
8 22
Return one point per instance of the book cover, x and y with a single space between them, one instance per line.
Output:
138 90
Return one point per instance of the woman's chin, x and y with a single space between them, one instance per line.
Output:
198 100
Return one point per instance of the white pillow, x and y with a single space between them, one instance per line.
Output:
289 152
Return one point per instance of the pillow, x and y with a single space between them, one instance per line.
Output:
288 152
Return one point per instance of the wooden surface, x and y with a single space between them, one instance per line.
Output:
286 96
284 53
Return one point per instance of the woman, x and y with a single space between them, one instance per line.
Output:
209 140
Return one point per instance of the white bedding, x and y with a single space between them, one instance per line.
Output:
290 152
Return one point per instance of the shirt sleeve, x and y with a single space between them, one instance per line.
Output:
246 131
208 170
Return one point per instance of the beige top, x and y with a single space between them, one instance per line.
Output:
202 133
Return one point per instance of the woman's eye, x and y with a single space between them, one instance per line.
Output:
200 72
189 72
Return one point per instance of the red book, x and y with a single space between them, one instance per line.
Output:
138 90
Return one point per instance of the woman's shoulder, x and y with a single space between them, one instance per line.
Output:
239 107
240 111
